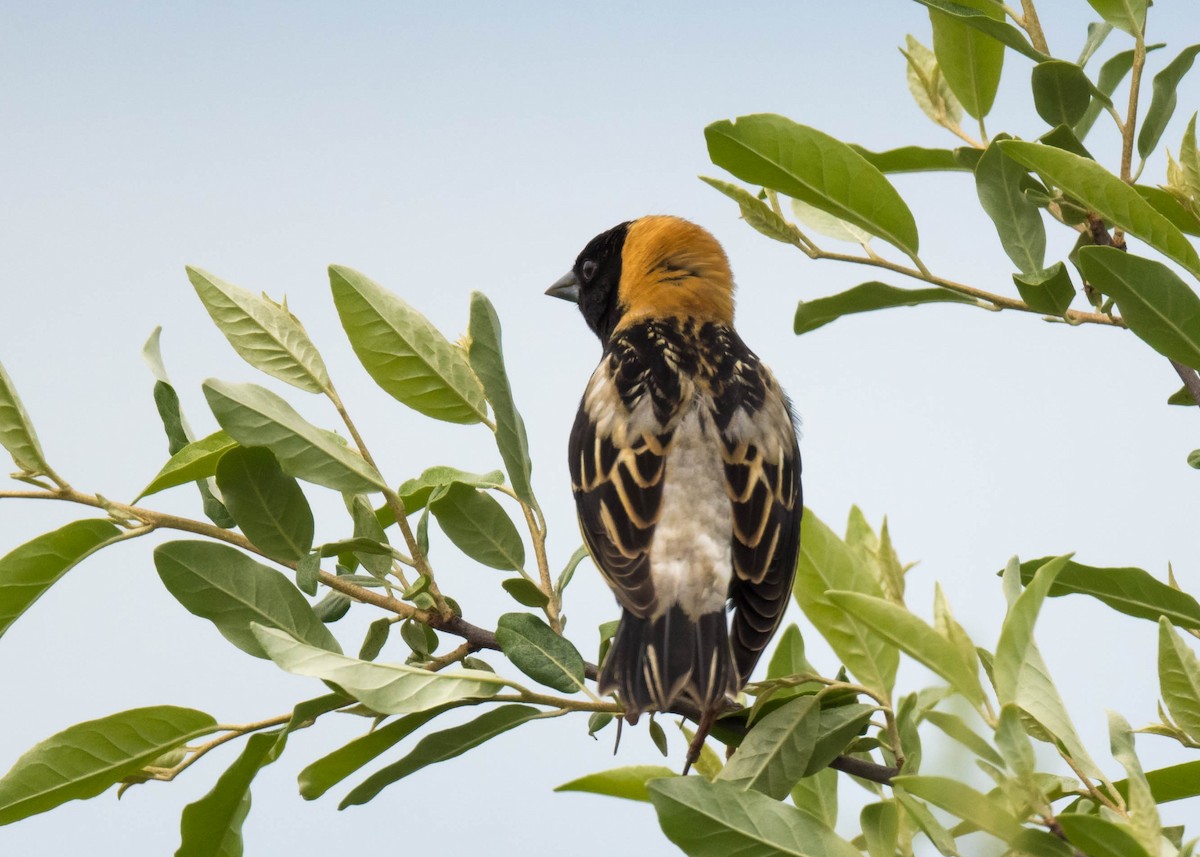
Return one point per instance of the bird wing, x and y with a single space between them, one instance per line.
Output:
617 458
762 472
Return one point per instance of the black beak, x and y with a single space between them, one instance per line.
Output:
567 288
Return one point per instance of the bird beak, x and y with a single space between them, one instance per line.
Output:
567 288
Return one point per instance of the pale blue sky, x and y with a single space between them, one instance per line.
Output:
441 148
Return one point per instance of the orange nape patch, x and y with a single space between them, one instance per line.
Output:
672 267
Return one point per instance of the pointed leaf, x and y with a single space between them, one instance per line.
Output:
1061 92
826 563
838 726
264 334
1107 195
718 819
1179 679
928 85
989 25
867 297
1098 837
629 783
220 583
817 794
998 181
915 159
1143 812
212 825
179 435
826 224
1171 208
329 770
540 653
254 416
924 819
487 359
479 527
1050 291
267 505
757 214
915 638
525 592
1131 591
960 800
880 824
1164 99
386 688
956 728
406 355
1156 304
16 431
198 460
1127 15
441 746
83 760
1111 74
808 165
28 571
415 492
1016 635
773 757
970 60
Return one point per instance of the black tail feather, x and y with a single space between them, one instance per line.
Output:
653 663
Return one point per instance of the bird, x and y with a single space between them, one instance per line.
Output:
685 469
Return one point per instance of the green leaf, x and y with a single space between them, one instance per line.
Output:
880 824
331 769
1143 812
212 825
1097 33
828 225
915 159
867 297
915 638
1164 99
1127 15
826 563
1179 679
1016 635
479 527
989 25
927 84
254 416
220 583
16 431
1013 743
487 360
658 736
1182 396
28 571
1193 459
789 659
956 728
540 653
267 505
1098 837
525 592
376 638
757 214
970 59
961 800
568 572
386 688
83 760
1156 304
406 355
1050 291
1111 74
263 333
1061 92
198 460
838 726
629 783
719 819
1107 195
805 164
817 794
166 402
441 746
774 755
415 492
1131 591
1060 137
924 819
1169 207
367 526
998 181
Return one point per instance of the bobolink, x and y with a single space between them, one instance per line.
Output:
685 469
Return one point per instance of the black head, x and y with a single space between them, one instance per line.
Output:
593 282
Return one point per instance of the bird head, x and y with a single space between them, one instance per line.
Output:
652 267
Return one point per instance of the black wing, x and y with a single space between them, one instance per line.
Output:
762 471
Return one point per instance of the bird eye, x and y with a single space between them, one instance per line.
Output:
588 269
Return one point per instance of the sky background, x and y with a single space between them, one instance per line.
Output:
441 148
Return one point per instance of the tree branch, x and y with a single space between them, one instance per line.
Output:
1190 379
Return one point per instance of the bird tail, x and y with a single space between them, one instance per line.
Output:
655 662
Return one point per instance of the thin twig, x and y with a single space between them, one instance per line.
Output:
232 732
1030 23
1190 379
